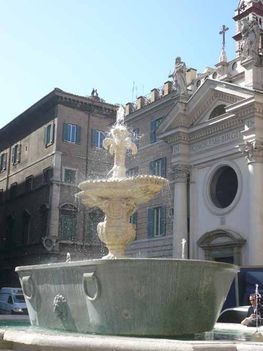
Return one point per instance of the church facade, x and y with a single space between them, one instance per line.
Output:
208 141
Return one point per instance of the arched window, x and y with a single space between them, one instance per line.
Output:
67 222
217 111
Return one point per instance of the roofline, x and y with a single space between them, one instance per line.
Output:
56 92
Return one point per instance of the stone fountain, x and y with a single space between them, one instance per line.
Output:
119 295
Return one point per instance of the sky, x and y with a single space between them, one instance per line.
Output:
122 48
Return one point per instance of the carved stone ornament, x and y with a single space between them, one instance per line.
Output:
181 172
249 45
48 243
253 151
60 307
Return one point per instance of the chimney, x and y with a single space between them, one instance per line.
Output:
190 75
129 108
154 95
167 87
140 102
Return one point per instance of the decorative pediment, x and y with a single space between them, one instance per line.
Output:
210 100
221 238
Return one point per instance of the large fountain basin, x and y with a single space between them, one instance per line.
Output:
143 297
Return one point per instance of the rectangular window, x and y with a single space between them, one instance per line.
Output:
68 227
158 167
49 134
156 221
29 183
132 172
154 126
97 137
47 175
13 190
3 159
71 133
70 176
135 133
134 221
16 154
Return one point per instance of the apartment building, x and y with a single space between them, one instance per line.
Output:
44 153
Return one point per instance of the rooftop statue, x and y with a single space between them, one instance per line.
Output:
250 32
179 77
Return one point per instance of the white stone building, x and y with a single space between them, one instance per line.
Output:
214 129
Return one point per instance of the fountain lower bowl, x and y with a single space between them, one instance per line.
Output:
140 297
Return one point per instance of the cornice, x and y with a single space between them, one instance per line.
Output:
154 106
86 105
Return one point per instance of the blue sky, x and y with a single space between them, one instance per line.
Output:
77 45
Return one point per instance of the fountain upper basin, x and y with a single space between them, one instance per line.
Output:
139 189
143 297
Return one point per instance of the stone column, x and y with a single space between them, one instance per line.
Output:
253 151
181 173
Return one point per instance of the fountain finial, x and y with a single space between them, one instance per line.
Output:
120 115
118 143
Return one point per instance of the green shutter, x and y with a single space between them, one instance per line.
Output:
45 136
65 132
4 161
152 167
163 221
152 133
19 149
78 134
163 167
150 223
13 155
53 133
93 137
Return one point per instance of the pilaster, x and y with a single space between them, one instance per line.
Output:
181 173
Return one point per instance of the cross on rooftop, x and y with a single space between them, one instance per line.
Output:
223 33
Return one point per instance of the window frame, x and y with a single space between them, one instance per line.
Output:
97 137
158 167
71 133
3 161
65 169
16 154
49 134
154 126
156 222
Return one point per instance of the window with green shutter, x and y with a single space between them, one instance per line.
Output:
154 126
158 167
156 221
3 159
49 134
68 222
16 154
97 137
71 133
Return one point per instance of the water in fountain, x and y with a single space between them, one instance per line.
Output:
119 295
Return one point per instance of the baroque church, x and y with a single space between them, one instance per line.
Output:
209 131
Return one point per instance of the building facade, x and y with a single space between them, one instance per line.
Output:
45 153
207 131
